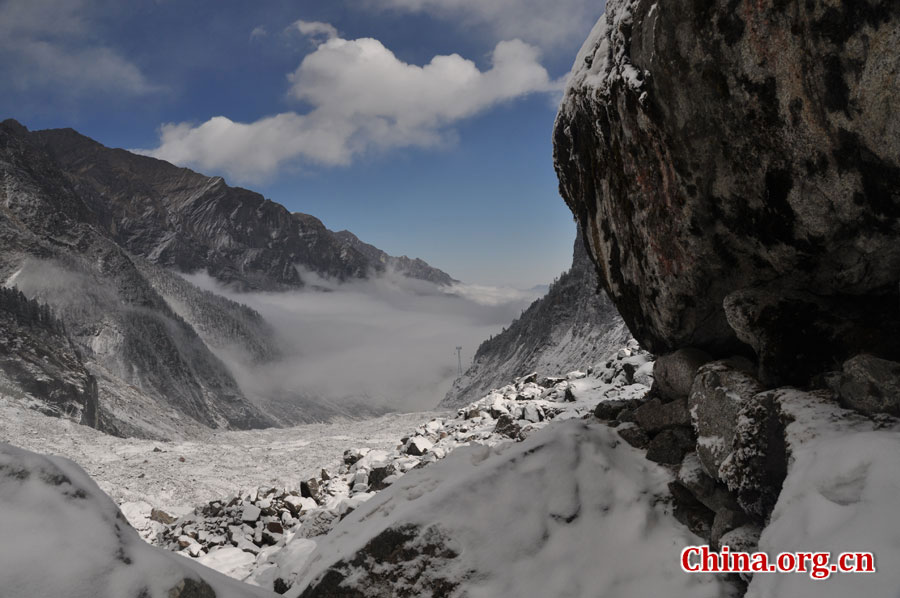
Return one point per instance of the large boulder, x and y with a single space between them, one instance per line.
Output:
871 385
674 372
712 146
717 396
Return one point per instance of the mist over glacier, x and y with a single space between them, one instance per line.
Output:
387 342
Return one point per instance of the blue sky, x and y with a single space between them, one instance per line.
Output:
423 126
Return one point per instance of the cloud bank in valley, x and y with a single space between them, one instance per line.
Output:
361 97
386 342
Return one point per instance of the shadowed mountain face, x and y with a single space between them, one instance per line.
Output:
91 232
573 326
184 220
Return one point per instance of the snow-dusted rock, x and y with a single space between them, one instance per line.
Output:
231 561
871 385
250 513
675 372
459 526
417 446
716 397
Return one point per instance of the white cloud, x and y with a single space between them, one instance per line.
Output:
48 43
551 25
258 31
390 338
361 97
315 29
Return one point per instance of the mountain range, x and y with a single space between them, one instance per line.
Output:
93 237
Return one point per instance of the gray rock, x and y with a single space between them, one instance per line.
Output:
633 435
532 414
674 372
725 521
689 511
756 468
655 416
797 335
700 161
378 475
716 398
251 513
191 588
871 385
744 538
706 490
417 446
670 446
310 489
610 410
506 426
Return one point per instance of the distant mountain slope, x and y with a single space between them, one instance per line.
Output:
89 232
181 219
574 325
37 357
411 267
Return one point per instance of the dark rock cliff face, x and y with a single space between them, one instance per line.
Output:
37 358
184 220
150 366
735 169
745 153
411 267
573 326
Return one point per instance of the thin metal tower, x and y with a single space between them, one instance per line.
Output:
459 361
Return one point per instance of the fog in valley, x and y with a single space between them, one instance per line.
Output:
388 342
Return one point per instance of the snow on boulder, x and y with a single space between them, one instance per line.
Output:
472 524
298 504
230 561
372 460
840 495
62 536
251 513
417 445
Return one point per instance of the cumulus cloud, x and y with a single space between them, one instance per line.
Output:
49 43
387 341
258 32
316 29
361 97
551 25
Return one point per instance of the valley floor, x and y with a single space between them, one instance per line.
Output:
218 465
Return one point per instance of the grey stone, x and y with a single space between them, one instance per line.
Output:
716 397
670 446
691 512
712 494
725 521
310 489
191 588
871 385
756 469
674 372
507 427
609 410
655 416
633 435
699 162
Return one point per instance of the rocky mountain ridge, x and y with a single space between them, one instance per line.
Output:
571 327
187 221
91 232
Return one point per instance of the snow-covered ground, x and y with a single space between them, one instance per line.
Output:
223 463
